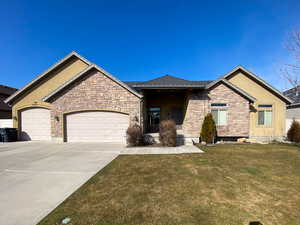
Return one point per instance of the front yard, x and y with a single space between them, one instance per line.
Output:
227 185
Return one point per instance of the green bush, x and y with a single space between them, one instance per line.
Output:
135 136
293 133
208 131
167 133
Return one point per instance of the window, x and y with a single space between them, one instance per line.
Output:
153 119
265 115
220 116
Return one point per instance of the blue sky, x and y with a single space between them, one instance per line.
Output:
141 40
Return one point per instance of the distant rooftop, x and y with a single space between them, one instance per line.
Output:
167 81
294 94
5 91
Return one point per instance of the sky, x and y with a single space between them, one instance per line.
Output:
143 39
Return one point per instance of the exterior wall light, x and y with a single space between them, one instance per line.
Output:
15 118
56 118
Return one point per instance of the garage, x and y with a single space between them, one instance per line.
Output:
96 126
35 124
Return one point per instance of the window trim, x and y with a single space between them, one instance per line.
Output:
265 107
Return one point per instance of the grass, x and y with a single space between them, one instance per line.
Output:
227 185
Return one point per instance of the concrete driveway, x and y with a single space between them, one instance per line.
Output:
35 177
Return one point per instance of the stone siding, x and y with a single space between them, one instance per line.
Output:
94 92
238 111
196 109
198 105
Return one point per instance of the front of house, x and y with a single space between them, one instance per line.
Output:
77 101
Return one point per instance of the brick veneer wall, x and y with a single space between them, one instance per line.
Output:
95 92
238 112
196 109
198 105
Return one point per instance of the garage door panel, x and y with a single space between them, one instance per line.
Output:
96 126
35 124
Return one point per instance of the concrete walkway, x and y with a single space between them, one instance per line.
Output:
36 177
184 149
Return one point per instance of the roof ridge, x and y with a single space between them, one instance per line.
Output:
166 75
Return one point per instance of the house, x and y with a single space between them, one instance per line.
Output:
5 109
293 110
76 101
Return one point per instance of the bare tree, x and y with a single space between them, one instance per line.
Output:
291 71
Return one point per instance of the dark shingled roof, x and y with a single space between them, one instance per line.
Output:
294 94
5 92
167 81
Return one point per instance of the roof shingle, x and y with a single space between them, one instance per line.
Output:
167 81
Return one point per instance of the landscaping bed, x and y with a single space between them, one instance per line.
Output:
227 185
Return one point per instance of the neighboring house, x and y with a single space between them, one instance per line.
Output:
75 100
293 110
5 109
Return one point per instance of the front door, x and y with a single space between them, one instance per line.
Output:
153 119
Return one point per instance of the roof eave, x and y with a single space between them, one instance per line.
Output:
119 82
287 100
88 69
73 53
293 105
49 96
237 89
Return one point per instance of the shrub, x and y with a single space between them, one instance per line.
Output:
293 133
135 136
208 131
167 133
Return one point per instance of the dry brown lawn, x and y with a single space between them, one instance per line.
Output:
227 185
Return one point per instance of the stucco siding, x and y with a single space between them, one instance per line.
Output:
263 96
33 97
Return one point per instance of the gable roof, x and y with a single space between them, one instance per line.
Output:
84 72
167 81
258 80
45 73
232 86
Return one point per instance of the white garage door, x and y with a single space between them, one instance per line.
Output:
35 124
96 126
